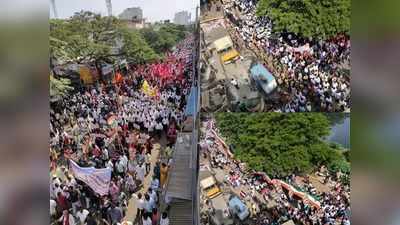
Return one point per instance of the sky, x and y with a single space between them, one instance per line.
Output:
19 9
153 10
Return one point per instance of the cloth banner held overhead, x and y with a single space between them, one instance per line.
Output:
302 49
117 78
97 179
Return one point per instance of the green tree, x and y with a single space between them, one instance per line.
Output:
163 37
308 18
89 38
84 38
281 144
59 88
135 47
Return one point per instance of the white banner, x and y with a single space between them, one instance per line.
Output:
302 49
97 179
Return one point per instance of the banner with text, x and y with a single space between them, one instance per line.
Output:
97 179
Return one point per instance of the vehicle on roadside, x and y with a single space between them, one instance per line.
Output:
263 78
230 56
238 208
210 187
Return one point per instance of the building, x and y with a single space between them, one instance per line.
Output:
134 13
182 18
133 18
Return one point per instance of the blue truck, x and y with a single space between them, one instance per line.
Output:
238 208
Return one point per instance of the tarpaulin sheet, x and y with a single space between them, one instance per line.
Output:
191 106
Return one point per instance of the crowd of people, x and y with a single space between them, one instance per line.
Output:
335 207
310 71
259 191
118 126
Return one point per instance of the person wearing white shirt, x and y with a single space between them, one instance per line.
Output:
148 203
57 189
120 167
146 220
343 86
55 181
151 126
105 154
67 218
308 106
130 183
125 160
153 194
82 215
140 172
164 219
53 206
165 120
110 165
159 127
139 205
155 183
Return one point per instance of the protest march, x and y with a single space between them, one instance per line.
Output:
308 70
153 121
272 201
111 143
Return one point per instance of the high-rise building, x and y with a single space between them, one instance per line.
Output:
182 18
134 13
133 17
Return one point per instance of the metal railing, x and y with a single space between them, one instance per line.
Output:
195 132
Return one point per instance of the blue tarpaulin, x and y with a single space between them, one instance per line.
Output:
192 102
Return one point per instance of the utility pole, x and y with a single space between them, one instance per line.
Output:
197 14
109 7
53 6
197 23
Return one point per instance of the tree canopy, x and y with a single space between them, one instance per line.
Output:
85 37
308 18
164 37
59 88
89 38
281 144
136 48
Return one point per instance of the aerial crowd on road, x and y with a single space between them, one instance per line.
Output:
311 71
258 191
